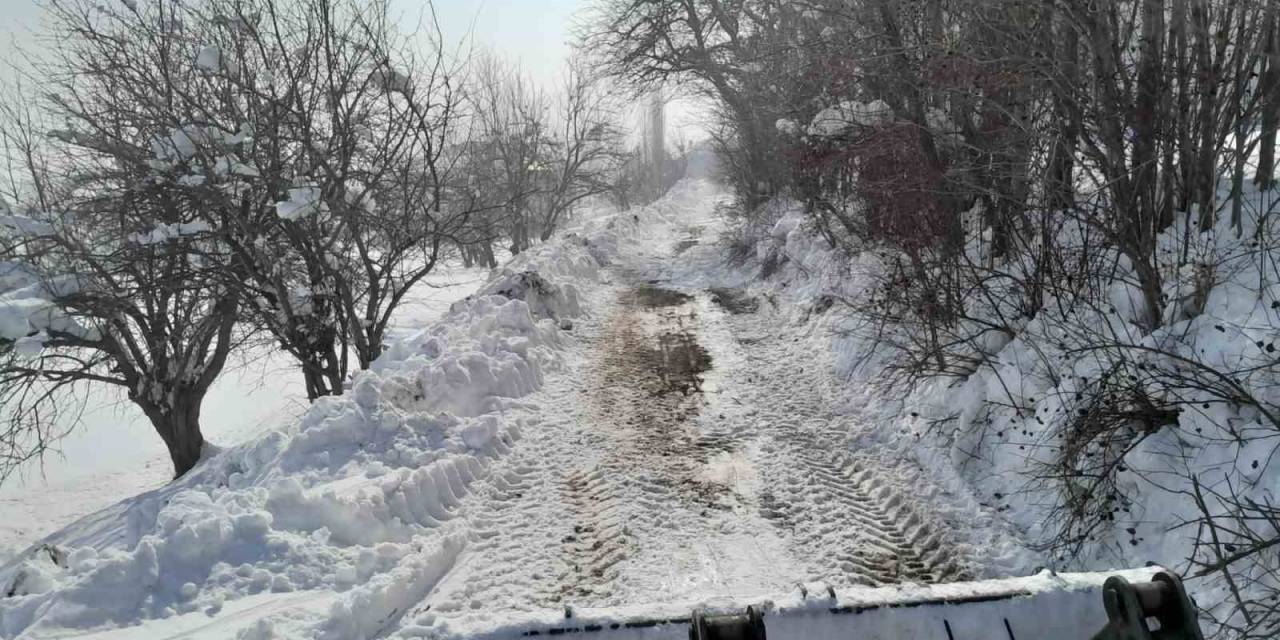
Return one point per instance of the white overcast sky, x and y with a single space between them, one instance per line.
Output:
534 33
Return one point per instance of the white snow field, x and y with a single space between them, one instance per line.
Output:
613 424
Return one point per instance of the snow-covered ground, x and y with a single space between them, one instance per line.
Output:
615 420
113 451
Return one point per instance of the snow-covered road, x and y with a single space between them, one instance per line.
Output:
616 419
692 450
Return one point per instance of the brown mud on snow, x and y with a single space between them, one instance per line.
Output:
657 463
735 301
643 393
652 297
667 358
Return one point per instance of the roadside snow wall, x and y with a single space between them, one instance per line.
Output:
995 434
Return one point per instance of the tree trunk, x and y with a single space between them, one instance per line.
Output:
1172 196
1269 87
179 427
322 370
1148 125
754 174
1149 281
1237 179
322 379
1206 83
1111 126
1186 145
519 231
1061 182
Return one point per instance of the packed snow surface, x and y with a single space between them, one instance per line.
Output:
615 420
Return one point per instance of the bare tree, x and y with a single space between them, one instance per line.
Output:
540 153
511 118
112 276
1269 90
316 142
585 150
217 168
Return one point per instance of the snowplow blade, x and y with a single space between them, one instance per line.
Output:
1047 606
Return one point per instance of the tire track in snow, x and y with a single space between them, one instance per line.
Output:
600 533
644 382
555 520
867 533
640 483
656 525
851 522
508 534
517 516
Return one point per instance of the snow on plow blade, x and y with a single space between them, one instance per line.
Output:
1047 606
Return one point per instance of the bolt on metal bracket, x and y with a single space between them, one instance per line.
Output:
1130 606
737 626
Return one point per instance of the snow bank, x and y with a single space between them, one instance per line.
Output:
545 299
1016 411
365 483
350 514
544 275
987 436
